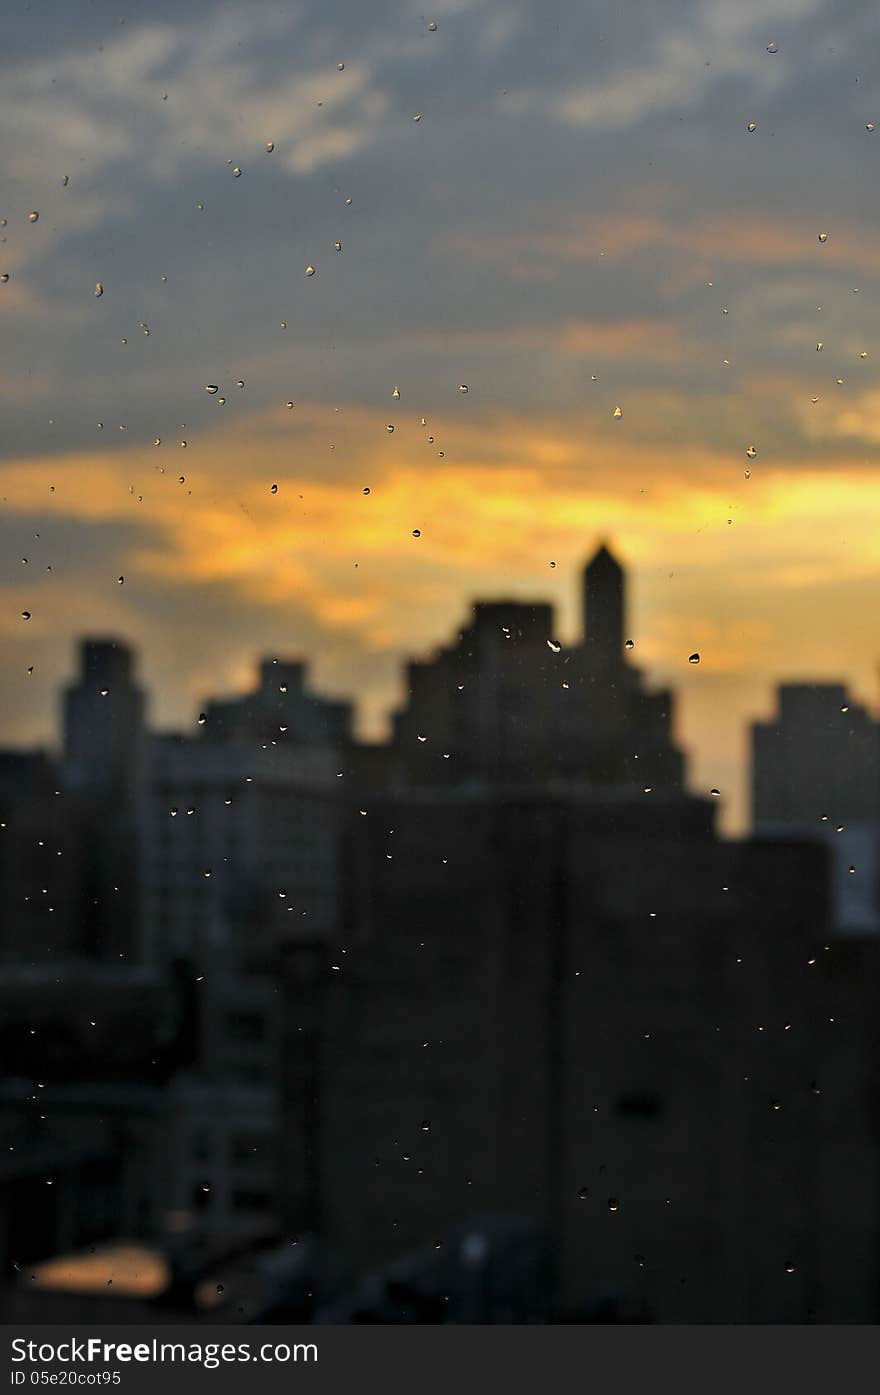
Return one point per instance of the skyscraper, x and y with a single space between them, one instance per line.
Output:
604 606
510 701
816 773
103 722
102 769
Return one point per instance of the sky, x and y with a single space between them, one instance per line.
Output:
641 235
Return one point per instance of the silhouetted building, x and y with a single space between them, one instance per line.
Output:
37 862
592 1014
103 723
816 774
281 710
239 849
240 857
102 770
508 702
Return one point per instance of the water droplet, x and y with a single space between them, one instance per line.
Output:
33 216
236 170
269 146
618 412
751 452
99 289
310 270
790 1268
417 116
869 125
120 580
219 1288
716 794
823 237
157 440
289 406
463 387
340 67
416 533
395 392
820 346
433 27
211 387
772 47
613 1204
25 615
274 489
864 353
202 719
583 1194
629 644
4 277
694 659
337 246
389 428
366 489
554 645
752 126
426 1126
348 201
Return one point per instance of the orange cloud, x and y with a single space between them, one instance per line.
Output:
767 576
642 340
750 241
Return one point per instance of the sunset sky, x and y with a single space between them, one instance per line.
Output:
660 206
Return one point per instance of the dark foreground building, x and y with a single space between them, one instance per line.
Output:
558 997
596 1016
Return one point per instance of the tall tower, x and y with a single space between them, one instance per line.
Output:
604 604
103 720
102 769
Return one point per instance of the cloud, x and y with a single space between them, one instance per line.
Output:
675 72
702 243
157 99
633 340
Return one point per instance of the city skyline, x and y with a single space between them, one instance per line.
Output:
734 816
